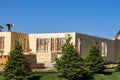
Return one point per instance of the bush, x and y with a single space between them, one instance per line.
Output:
93 61
70 65
17 67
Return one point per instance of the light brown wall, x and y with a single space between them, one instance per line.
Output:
14 38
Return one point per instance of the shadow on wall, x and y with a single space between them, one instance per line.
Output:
31 58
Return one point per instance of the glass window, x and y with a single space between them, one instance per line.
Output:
104 49
42 45
79 44
56 44
1 43
22 43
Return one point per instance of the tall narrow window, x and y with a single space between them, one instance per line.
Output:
52 44
42 45
22 43
104 49
56 44
2 43
79 44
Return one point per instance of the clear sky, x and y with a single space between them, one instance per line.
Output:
94 17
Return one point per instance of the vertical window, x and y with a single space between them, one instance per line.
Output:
42 45
52 44
1 43
79 44
104 49
22 43
56 44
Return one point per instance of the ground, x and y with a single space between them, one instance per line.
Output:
48 74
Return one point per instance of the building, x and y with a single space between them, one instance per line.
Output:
47 46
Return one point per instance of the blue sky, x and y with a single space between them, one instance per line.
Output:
94 17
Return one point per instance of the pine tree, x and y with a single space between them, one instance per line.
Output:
117 68
94 61
17 67
70 65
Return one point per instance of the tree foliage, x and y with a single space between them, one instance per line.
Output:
70 65
17 67
94 61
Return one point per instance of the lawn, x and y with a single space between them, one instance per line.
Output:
114 76
108 75
47 75
52 75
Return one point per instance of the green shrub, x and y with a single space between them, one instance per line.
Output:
93 61
17 67
70 65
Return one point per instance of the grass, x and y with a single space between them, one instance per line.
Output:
114 76
52 76
47 75
109 74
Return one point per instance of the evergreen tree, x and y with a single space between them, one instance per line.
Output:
94 61
70 65
117 68
17 67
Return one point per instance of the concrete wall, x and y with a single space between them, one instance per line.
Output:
45 57
15 36
49 56
87 42
117 46
31 59
7 42
33 37
113 46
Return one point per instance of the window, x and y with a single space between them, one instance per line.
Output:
22 43
56 44
2 44
42 45
79 44
104 49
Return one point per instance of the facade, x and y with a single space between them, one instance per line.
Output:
47 46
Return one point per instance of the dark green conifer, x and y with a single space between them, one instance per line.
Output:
94 61
17 67
70 65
